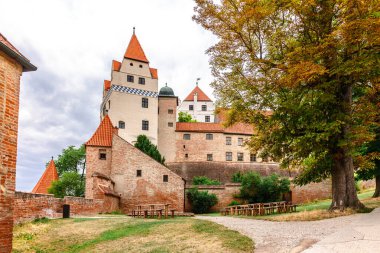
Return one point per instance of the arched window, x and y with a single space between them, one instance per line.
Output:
121 124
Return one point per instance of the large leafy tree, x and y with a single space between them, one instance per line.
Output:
72 159
303 60
69 184
145 145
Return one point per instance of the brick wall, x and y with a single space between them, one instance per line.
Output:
29 206
311 192
10 72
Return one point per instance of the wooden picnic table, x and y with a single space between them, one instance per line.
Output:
152 210
260 208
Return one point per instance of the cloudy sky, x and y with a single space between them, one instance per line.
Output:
73 43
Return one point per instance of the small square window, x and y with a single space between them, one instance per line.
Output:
186 155
170 124
130 78
141 80
204 107
165 178
240 141
170 111
207 118
186 136
228 140
209 136
144 102
145 125
240 157
102 154
252 157
209 157
191 107
138 173
228 156
121 124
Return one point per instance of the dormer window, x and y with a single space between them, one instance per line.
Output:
130 78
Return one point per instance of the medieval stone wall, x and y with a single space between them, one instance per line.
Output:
10 72
311 192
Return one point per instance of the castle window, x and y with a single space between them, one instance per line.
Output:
191 107
102 154
240 141
228 156
228 140
130 79
186 136
165 178
207 118
252 157
186 155
109 104
140 66
145 125
170 111
131 64
141 80
209 157
144 102
240 157
104 110
209 137
204 107
170 124
121 124
138 173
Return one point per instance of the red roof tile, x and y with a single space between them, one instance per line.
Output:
103 135
107 85
201 95
201 127
154 73
46 179
116 65
135 51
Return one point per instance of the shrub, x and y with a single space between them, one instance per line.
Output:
256 189
201 201
237 177
69 184
234 203
202 180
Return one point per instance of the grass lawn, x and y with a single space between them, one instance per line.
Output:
126 234
317 210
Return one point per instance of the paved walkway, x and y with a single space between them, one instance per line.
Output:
356 233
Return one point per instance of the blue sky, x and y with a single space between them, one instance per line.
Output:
73 44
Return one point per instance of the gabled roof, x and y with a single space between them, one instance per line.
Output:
12 52
46 179
116 65
107 85
154 73
201 95
103 135
135 51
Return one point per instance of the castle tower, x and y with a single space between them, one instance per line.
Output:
167 111
130 97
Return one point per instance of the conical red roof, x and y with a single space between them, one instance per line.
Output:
135 51
201 95
46 179
103 135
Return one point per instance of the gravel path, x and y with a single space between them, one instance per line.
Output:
280 237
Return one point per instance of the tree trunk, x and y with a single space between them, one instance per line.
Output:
377 190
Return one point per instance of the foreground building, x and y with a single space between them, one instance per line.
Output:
12 65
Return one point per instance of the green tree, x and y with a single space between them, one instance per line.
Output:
145 145
185 117
203 180
70 183
303 61
72 159
201 201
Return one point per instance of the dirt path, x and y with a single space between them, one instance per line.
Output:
280 237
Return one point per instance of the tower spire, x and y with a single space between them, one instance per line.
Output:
134 30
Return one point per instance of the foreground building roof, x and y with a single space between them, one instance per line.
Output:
12 52
135 51
46 179
103 134
201 95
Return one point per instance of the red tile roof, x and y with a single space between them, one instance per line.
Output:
154 73
46 179
103 135
116 65
201 127
135 51
201 95
13 52
107 85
